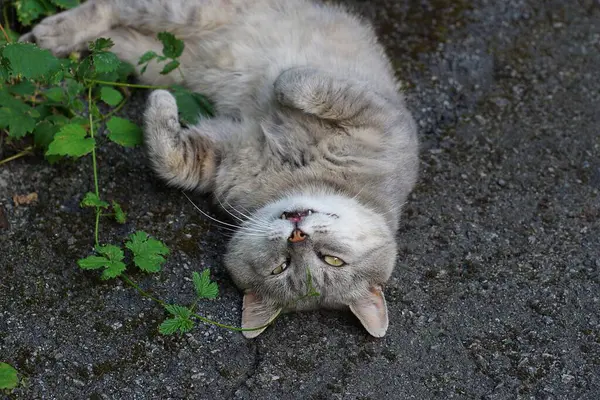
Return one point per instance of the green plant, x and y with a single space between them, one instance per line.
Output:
9 378
60 105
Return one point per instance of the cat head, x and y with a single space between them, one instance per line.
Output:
328 244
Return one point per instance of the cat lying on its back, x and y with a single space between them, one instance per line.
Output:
313 148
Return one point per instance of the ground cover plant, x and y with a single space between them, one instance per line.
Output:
57 107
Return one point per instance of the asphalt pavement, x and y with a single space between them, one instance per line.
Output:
497 290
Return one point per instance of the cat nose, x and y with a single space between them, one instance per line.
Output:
297 236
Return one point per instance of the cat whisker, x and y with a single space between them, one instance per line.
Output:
254 219
215 219
227 211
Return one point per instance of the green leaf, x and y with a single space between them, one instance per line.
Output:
71 140
110 96
56 94
124 132
169 326
147 57
181 322
205 288
120 216
106 62
170 67
113 270
30 61
92 200
148 253
111 261
101 44
111 251
30 10
74 88
172 325
25 88
92 262
172 47
18 123
8 376
192 106
43 134
178 311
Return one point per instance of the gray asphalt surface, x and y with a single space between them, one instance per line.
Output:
497 290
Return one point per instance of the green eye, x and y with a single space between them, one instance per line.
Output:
334 261
280 269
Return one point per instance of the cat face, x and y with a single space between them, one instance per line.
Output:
345 249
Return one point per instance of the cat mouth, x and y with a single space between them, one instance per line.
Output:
296 215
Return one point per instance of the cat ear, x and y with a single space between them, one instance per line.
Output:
256 313
371 310
335 99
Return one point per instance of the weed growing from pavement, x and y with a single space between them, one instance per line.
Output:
56 105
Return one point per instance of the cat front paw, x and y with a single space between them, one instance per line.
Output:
58 33
162 112
71 30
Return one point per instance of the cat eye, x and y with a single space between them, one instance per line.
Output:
334 261
280 269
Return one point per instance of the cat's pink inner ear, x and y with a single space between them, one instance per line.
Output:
256 313
371 310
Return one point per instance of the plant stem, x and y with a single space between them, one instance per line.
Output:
94 166
5 34
122 84
113 111
20 154
141 291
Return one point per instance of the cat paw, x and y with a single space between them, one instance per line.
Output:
71 30
61 34
162 111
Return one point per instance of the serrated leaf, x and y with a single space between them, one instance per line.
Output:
110 96
30 10
170 67
205 288
19 124
110 251
43 134
113 270
178 311
56 94
148 252
172 47
111 259
8 376
92 262
74 88
192 106
71 140
25 88
30 61
101 44
105 62
172 325
124 132
92 200
147 57
120 216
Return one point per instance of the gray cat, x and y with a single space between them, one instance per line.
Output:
313 149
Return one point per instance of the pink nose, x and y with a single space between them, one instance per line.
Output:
297 236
